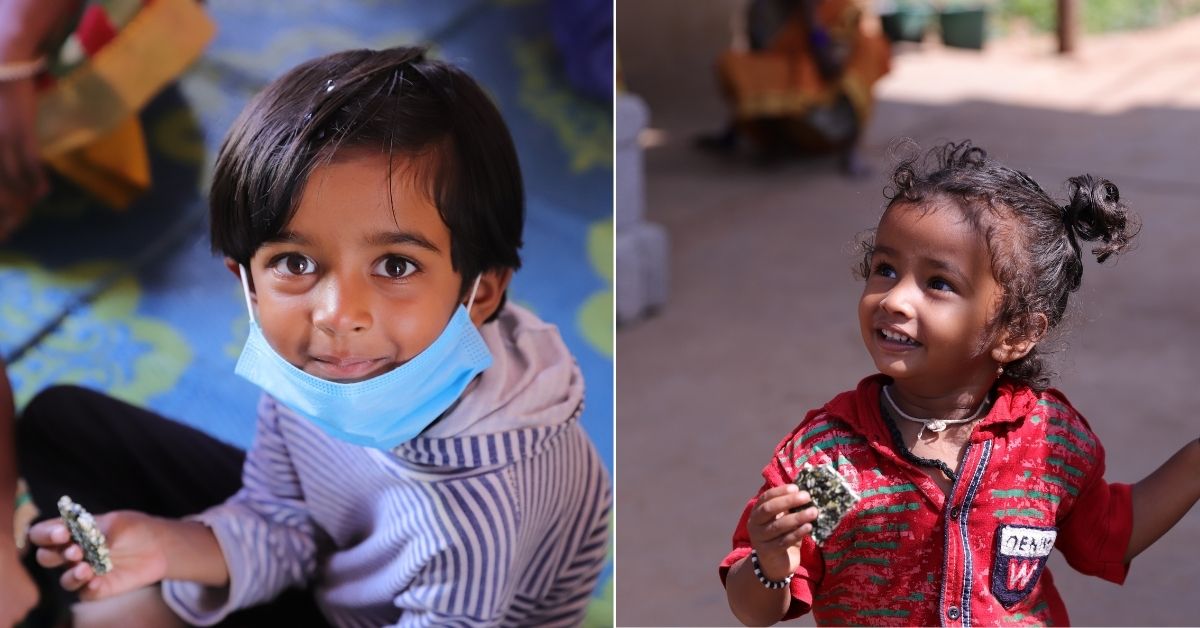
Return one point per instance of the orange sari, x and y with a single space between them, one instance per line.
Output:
783 81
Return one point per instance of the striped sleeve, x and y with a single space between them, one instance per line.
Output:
465 580
582 529
265 532
523 544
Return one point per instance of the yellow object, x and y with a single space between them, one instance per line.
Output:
87 125
115 168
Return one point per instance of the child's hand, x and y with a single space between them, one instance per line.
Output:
137 555
776 532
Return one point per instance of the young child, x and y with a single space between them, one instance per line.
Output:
970 470
419 459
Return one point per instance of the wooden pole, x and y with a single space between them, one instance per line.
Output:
1068 25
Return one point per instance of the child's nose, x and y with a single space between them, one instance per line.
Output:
343 307
899 300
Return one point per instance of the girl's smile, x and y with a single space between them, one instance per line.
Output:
348 368
891 339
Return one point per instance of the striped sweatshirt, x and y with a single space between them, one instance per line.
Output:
495 516
1031 481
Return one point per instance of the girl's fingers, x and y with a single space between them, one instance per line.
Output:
50 533
771 506
808 515
76 577
794 537
787 524
49 557
777 491
92 591
58 556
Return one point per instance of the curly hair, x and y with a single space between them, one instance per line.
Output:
1033 241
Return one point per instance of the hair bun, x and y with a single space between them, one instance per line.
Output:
1095 213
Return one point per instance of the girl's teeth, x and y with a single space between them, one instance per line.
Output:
890 335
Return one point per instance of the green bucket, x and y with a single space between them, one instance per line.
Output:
905 24
963 28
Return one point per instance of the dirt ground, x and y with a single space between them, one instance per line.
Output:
761 325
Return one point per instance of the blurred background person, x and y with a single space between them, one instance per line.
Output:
799 79
73 76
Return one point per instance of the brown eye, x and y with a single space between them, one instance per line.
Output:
295 264
298 265
395 267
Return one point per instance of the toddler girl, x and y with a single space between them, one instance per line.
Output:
969 468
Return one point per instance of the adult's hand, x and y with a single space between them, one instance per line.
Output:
22 178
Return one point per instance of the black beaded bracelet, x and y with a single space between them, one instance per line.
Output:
770 584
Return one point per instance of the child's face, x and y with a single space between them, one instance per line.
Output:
356 285
928 301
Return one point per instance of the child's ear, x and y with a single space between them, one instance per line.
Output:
1011 347
233 267
490 295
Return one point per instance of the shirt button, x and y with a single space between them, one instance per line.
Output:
954 510
952 613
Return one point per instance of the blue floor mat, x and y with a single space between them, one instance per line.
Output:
72 249
134 303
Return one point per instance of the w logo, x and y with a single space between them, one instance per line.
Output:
1019 558
1020 571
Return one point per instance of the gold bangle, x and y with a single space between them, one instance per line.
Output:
18 70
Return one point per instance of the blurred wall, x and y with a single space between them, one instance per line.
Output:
666 49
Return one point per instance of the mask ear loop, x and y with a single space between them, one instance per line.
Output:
246 292
471 300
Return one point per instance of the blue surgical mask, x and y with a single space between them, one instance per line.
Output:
383 411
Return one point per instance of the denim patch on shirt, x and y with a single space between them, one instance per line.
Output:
1017 563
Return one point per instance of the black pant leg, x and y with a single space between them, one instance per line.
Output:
109 455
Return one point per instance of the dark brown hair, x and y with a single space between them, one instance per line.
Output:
1033 240
392 102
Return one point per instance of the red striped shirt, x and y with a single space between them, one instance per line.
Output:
1031 480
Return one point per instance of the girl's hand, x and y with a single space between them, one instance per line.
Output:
776 532
137 555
